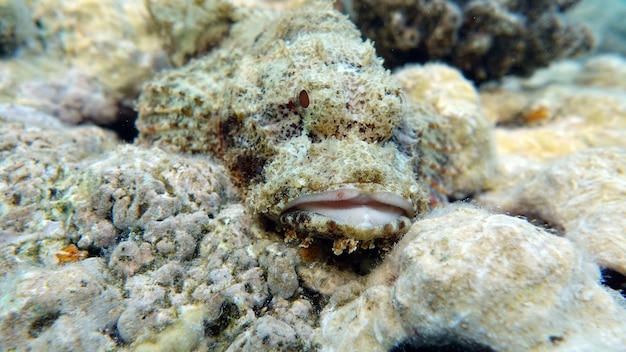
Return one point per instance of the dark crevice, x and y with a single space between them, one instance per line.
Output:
42 323
442 345
538 221
361 262
265 306
124 124
114 334
614 280
318 301
229 312
94 251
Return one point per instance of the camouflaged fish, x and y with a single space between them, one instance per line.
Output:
311 126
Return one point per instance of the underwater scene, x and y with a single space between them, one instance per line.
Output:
313 175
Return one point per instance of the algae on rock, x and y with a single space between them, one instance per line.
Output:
484 39
496 282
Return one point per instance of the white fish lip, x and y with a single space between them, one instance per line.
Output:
354 208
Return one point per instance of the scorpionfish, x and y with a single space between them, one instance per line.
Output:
311 126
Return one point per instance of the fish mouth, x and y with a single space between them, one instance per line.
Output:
349 208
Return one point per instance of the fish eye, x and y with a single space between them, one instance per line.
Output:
303 99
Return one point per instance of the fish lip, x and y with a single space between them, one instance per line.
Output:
350 198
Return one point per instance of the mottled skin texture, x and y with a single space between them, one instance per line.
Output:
295 104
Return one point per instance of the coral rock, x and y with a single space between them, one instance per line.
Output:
484 39
74 307
583 195
496 282
569 107
456 100
38 163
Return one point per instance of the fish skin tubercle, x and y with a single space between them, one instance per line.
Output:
313 129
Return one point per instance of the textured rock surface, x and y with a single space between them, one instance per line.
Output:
39 160
484 261
472 158
166 197
84 60
107 246
73 307
584 195
69 94
561 110
560 140
194 267
175 262
484 39
497 282
111 41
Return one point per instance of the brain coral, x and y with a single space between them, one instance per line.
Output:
485 39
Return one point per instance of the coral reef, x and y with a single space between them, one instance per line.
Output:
86 60
81 59
160 227
49 303
561 110
134 247
456 100
111 41
68 308
38 163
583 195
447 283
165 197
174 262
560 138
484 39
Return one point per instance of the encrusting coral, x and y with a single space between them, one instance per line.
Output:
201 270
133 247
428 289
456 100
582 195
559 111
85 60
485 39
166 231
38 160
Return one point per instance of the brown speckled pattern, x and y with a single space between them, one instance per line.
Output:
297 103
